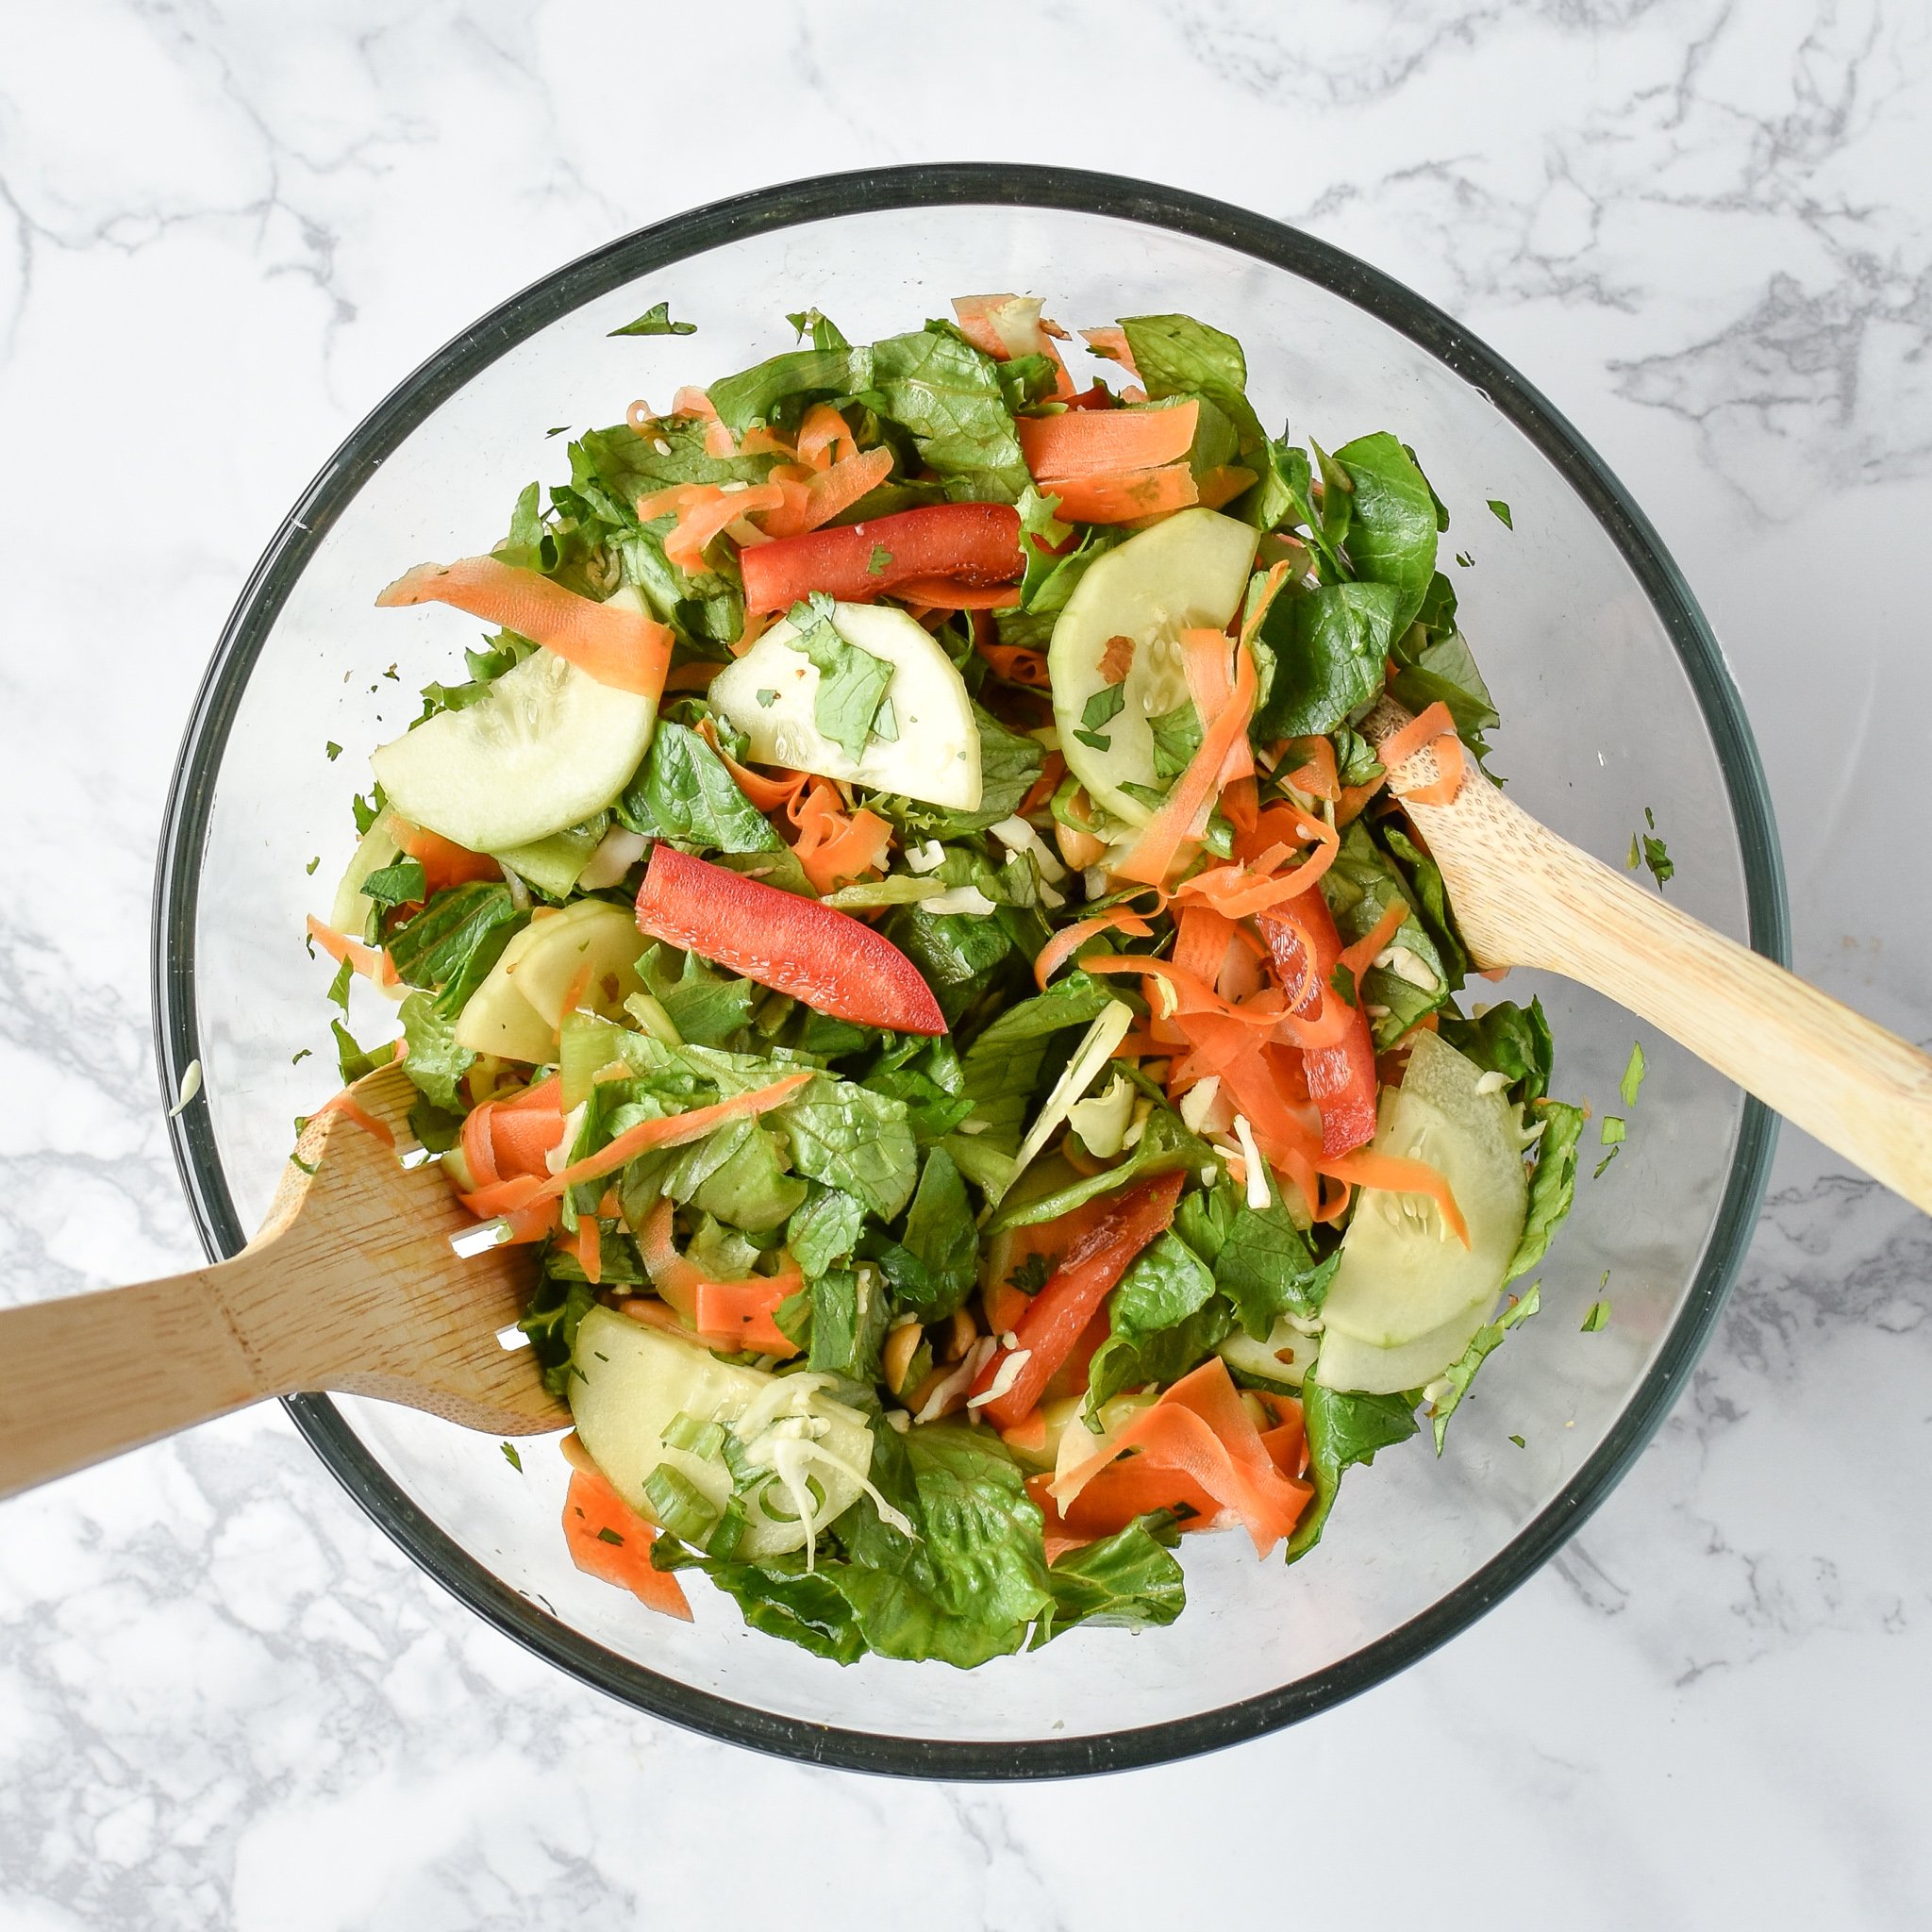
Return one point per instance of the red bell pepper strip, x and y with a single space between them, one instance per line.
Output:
1051 1327
836 964
972 543
1342 1076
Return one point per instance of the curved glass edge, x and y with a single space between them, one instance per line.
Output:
185 831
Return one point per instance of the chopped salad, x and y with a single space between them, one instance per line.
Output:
901 916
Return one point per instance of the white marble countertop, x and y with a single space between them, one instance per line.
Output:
225 1698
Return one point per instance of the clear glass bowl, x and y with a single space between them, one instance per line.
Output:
1614 697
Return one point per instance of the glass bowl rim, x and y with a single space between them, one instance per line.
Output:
825 197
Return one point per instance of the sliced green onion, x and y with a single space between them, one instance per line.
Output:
694 1437
724 1539
681 1508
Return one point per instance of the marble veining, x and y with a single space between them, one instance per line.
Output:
225 1699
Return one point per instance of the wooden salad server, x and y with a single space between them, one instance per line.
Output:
351 1286
1525 897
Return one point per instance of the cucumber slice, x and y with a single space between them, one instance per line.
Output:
770 694
1189 573
350 909
632 1381
555 864
1284 1357
546 746
1402 1278
583 956
497 1019
1347 1363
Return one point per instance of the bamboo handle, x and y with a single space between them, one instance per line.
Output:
1525 898
84 1378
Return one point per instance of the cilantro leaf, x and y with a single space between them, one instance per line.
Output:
851 683
1460 1375
656 320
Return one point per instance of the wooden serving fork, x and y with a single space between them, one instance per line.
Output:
1525 897
351 1286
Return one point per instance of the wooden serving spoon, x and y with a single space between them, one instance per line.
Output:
1525 897
351 1286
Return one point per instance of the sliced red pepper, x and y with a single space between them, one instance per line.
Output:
1050 1329
972 543
1342 1077
836 964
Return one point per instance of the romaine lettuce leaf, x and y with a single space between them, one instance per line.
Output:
684 794
1391 528
1127 1581
1178 356
1460 1375
948 394
1328 644
1343 1429
1552 1183
1507 1039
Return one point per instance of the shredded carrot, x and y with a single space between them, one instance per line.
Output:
372 962
1183 813
1016 664
1069 940
1423 729
609 1541
1349 807
673 1130
943 593
536 1222
1358 959
1127 497
1111 345
1106 442
835 846
589 1249
819 435
695 675
767 793
352 1110
827 494
614 644
1316 775
1043 787
1450 764
444 862
1368 1169
726 1314
1223 484
764 441
704 518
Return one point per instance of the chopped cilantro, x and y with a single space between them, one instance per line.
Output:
1519 1442
1502 511
310 868
333 749
296 1059
768 698
655 321
1611 1132
1032 1274
1633 1075
1103 707
1597 1316
879 562
609 1536
510 1457
1636 858
1465 560
851 681
1597 1172
561 429
1659 860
